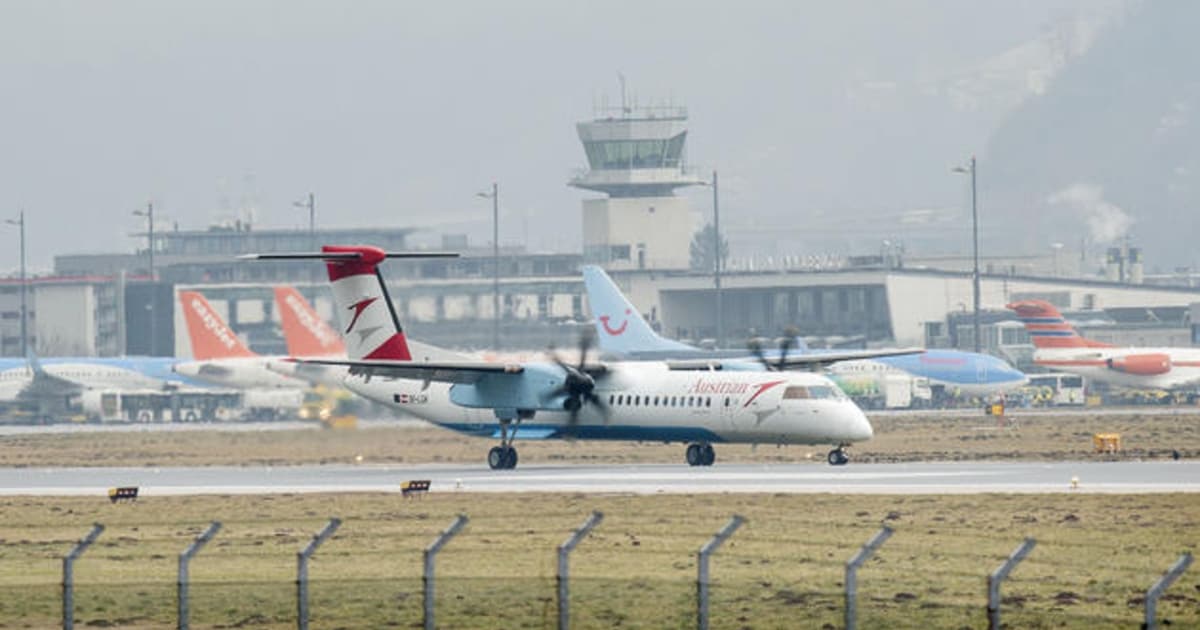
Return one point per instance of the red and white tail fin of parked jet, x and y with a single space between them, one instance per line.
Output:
306 333
1047 327
1059 346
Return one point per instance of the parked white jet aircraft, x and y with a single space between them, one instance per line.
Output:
622 331
1059 346
699 402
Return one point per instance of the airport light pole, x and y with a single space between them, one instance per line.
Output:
149 214
717 260
24 286
717 256
970 169
311 205
494 195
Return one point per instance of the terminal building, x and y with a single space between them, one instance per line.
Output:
638 229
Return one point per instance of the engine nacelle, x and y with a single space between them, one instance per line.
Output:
1141 364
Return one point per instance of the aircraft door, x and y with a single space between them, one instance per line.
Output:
725 410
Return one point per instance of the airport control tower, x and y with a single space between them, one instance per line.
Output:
636 157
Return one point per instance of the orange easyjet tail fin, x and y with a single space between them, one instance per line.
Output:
211 337
1048 328
307 335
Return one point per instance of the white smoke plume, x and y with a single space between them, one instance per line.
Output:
1106 221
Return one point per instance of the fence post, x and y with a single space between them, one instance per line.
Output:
430 554
68 584
564 550
998 576
185 557
702 568
1161 586
302 570
852 566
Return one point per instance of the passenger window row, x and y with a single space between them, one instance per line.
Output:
637 400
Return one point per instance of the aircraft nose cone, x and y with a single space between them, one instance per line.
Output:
860 427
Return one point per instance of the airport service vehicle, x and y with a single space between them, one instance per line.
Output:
1058 389
1059 347
699 402
622 331
891 390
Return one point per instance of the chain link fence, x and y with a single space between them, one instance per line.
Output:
630 572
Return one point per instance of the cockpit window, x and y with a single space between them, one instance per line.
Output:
824 391
796 392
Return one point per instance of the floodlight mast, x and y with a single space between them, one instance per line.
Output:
970 169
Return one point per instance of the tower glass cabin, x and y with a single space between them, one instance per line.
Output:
637 159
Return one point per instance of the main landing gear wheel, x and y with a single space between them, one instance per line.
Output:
838 457
700 455
502 458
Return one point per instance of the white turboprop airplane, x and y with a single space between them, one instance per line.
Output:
1059 347
699 402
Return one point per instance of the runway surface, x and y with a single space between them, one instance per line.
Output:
913 478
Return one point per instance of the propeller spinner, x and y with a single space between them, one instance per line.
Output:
578 386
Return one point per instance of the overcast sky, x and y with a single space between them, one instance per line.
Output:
396 113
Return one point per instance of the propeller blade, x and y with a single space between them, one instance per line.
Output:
586 339
784 346
600 404
756 349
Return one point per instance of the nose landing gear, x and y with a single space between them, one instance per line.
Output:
838 456
700 455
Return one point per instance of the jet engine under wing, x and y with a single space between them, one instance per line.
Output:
439 371
810 360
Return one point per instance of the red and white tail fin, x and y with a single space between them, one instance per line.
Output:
1048 328
211 337
370 327
306 334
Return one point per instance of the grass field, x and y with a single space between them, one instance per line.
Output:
897 438
1095 557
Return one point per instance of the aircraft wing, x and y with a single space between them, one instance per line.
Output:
45 384
439 371
811 360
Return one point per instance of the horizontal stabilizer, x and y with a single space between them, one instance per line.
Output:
343 255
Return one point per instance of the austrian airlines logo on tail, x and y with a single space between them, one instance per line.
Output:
358 308
615 331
